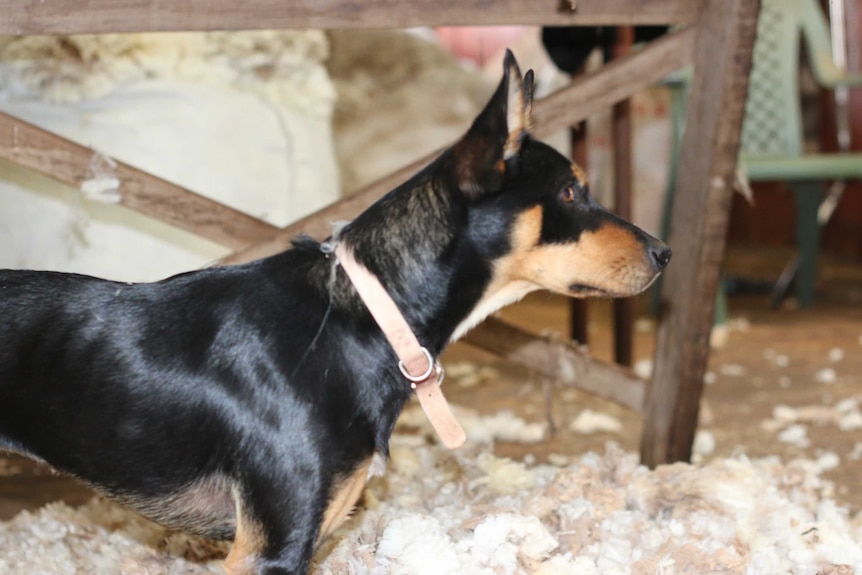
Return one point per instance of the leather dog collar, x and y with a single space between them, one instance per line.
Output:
416 363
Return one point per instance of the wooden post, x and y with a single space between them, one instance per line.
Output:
578 307
722 58
622 152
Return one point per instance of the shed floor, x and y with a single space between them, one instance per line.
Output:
808 360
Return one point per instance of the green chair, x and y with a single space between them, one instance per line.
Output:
772 147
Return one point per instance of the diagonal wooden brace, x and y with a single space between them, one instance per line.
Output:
71 163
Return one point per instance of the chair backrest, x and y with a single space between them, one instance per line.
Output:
772 124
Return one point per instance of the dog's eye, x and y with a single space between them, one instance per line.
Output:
569 194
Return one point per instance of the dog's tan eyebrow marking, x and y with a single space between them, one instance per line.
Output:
580 175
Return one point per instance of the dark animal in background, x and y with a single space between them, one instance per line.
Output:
570 46
247 402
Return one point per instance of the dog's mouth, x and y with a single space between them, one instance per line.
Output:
583 290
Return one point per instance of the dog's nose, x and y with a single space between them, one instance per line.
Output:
660 254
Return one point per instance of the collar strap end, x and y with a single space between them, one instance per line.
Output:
413 357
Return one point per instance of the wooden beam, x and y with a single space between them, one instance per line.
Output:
613 82
579 310
726 32
80 167
585 96
319 224
560 360
621 143
116 16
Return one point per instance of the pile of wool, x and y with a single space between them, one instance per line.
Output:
468 511
501 426
87 67
471 512
100 538
243 118
400 97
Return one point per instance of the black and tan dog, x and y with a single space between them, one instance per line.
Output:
246 402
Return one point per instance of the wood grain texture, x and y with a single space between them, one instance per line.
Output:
726 32
621 143
583 97
562 361
73 164
579 308
614 82
100 16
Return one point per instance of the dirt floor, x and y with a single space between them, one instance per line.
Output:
807 360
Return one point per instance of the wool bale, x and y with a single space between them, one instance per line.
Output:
242 118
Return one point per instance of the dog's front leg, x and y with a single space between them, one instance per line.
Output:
277 523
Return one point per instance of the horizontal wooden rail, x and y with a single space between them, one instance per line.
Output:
79 166
116 16
585 96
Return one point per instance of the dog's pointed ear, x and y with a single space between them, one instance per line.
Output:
497 133
528 101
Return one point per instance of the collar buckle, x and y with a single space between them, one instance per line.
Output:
406 347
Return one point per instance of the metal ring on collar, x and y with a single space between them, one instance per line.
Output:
424 376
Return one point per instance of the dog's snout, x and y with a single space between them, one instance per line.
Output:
660 254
